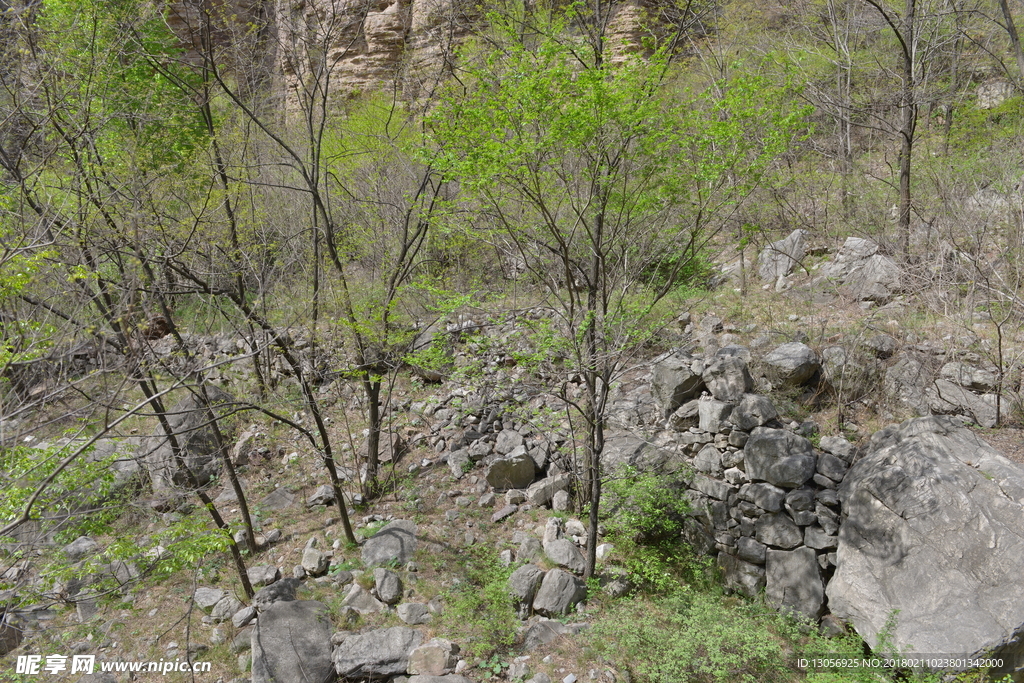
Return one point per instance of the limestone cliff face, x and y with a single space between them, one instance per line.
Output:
359 45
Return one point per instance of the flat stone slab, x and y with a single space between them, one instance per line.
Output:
394 543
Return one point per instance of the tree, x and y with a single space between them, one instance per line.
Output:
609 189
104 130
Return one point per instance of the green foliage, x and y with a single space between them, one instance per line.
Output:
87 485
478 610
120 79
644 517
695 637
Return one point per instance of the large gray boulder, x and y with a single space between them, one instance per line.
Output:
564 553
394 543
877 278
780 257
793 363
376 654
793 582
522 585
189 420
292 642
779 457
515 472
752 411
674 383
559 592
728 378
946 398
932 534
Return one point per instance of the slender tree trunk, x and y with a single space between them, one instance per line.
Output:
908 109
229 468
1011 30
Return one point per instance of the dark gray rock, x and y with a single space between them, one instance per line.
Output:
752 411
292 642
376 654
673 382
394 543
189 421
929 535
324 495
447 678
793 582
780 257
778 530
749 550
712 415
559 592
728 378
779 457
564 553
740 576
766 496
388 585
522 585
511 473
792 363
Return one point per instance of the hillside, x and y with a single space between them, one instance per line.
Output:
438 343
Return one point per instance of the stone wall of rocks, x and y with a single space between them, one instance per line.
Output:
764 497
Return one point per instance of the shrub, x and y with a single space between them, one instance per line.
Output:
478 611
645 514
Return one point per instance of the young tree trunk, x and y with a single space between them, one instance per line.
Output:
908 109
1011 31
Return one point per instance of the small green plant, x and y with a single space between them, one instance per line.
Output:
478 608
645 517
493 667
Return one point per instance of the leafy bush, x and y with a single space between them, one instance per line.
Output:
645 514
478 611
